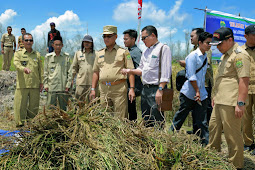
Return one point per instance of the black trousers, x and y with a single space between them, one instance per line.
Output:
208 109
132 110
150 113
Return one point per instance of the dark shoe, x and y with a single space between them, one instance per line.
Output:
249 148
253 153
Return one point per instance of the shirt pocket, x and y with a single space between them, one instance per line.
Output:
154 62
119 61
228 70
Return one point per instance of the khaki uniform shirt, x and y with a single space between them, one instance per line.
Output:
235 63
252 69
83 66
57 72
8 40
23 59
110 63
21 45
209 71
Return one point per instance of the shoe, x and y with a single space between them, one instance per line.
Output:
253 153
249 148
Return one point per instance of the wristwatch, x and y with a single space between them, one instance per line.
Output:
160 88
92 89
239 103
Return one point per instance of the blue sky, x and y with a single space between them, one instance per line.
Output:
171 17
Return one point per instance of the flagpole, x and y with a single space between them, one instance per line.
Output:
204 15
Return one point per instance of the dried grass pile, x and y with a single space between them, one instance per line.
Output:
93 139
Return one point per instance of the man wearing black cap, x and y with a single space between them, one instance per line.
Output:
83 66
247 119
231 90
51 34
57 75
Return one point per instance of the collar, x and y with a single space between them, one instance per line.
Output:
198 51
115 46
195 47
55 55
230 51
153 46
247 47
25 51
131 48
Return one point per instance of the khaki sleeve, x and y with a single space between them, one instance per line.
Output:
40 67
95 66
69 74
46 73
242 65
128 60
2 39
75 66
17 63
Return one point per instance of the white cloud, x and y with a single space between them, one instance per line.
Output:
66 23
7 16
149 12
165 32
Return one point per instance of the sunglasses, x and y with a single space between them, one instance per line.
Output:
143 38
108 36
27 40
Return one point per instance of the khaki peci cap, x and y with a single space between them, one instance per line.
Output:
109 29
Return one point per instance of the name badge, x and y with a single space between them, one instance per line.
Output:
153 56
81 56
101 56
23 63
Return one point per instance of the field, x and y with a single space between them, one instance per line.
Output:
7 123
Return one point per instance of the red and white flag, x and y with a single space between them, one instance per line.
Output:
140 4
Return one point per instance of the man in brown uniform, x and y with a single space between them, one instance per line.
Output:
7 42
249 46
231 90
29 81
113 85
83 67
20 43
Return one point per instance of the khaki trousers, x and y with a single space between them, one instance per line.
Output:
116 97
223 118
7 58
61 98
26 104
247 121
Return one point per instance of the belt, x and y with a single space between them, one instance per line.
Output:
9 46
150 85
113 83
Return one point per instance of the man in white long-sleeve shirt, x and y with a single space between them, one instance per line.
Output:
152 91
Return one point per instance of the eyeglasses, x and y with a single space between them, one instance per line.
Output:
207 43
27 40
108 36
143 38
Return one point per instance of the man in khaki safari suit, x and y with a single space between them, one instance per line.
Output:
57 75
29 81
248 137
7 42
20 42
82 66
107 66
231 91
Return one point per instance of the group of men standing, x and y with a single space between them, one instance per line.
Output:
116 72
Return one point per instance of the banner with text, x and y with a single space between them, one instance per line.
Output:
216 19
